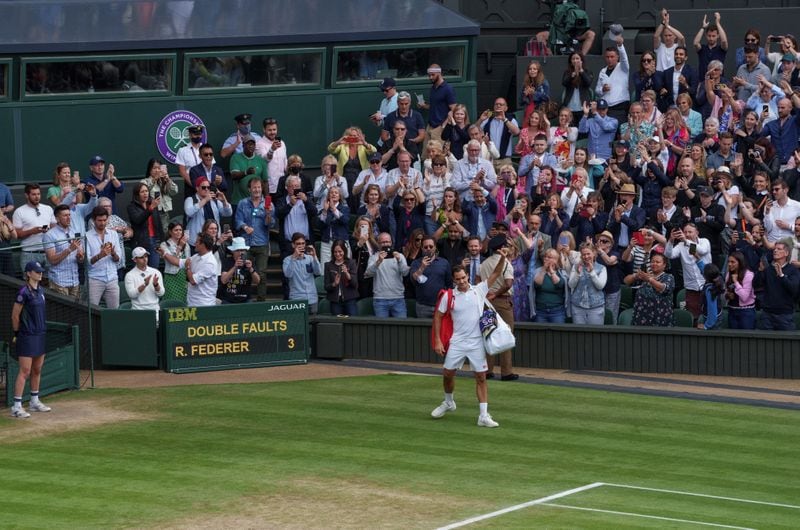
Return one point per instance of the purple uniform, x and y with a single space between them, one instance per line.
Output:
32 325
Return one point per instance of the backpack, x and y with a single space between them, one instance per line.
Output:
446 328
568 21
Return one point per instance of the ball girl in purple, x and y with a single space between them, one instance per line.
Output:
28 323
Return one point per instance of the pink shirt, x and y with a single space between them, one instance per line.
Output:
744 291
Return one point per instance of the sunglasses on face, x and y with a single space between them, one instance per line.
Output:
438 164
205 187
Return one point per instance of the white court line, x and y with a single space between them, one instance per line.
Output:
629 514
734 499
514 508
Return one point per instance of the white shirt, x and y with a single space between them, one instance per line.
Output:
204 270
692 277
787 213
466 313
571 202
665 57
618 81
148 298
414 179
367 177
188 156
26 217
276 168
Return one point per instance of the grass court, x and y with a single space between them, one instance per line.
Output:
363 452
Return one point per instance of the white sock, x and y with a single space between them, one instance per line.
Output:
484 408
34 398
17 403
448 398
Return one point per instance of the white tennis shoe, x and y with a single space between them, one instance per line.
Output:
39 407
19 413
484 420
443 409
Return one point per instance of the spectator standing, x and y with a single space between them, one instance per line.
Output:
586 283
716 46
653 304
752 37
388 104
364 246
473 172
334 220
413 125
600 127
781 213
246 166
612 82
188 156
104 180
352 154
145 221
499 128
500 293
441 101
144 284
535 89
740 294
104 250
686 245
341 281
781 284
205 205
239 275
748 74
548 290
530 165
272 148
28 322
300 268
202 274
577 83
31 221
429 274
255 215
387 267
207 169
161 187
330 178
235 142
64 250
456 130
666 41
680 78
7 230
784 131
175 250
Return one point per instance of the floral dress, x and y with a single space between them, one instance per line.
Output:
522 306
652 308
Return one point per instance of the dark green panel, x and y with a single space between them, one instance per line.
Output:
9 172
116 323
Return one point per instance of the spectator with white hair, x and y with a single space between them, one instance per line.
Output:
472 171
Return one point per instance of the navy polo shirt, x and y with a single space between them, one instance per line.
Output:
413 121
439 277
440 99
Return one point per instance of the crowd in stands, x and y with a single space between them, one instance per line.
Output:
676 182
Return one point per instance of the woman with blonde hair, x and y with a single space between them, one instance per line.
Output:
352 155
330 178
436 148
675 135
65 186
436 181
364 245
456 130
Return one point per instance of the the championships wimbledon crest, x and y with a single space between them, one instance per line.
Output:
173 132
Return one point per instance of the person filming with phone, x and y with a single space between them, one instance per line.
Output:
687 245
429 274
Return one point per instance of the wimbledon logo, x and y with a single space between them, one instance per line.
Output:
173 132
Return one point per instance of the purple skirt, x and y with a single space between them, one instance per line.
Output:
30 345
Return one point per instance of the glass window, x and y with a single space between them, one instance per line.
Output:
89 76
406 62
3 80
254 70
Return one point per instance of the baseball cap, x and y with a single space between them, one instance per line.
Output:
242 118
139 252
602 104
388 82
705 190
96 159
33 266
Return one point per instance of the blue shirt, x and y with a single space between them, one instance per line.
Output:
441 98
255 217
65 273
300 274
104 269
601 133
109 191
434 278
5 196
783 136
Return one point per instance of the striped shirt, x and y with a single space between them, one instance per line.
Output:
65 273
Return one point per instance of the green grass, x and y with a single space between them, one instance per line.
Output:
208 451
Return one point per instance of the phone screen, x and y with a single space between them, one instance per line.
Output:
563 240
267 202
364 231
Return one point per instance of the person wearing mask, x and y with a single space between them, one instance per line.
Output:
235 142
188 156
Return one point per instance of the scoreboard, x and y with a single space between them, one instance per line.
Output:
234 336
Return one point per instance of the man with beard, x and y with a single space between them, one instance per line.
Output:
31 221
273 149
429 274
441 101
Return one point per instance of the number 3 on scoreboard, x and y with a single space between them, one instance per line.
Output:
290 343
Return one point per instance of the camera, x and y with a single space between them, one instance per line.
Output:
212 189
156 194
387 249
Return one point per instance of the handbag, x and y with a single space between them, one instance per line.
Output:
499 338
446 327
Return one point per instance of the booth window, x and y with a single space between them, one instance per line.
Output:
403 62
253 69
92 75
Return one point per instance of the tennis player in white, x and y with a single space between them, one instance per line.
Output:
467 341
